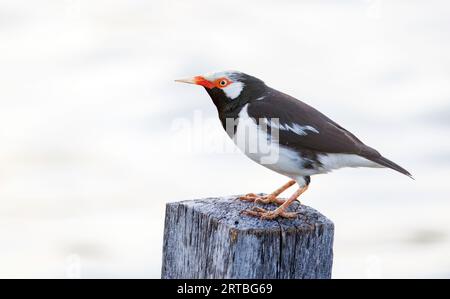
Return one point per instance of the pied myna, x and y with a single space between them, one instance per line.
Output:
284 135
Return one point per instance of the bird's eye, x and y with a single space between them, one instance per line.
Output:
223 82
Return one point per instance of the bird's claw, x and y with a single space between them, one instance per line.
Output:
263 199
268 215
249 197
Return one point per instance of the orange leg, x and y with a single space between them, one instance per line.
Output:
271 198
280 211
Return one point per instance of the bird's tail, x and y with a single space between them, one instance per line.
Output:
388 163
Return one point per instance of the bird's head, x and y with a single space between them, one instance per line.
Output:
228 89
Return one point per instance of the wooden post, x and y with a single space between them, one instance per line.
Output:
210 238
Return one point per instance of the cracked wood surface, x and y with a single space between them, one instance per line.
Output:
209 238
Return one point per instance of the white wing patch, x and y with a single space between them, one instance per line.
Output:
295 128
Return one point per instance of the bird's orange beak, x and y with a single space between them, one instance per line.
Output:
198 80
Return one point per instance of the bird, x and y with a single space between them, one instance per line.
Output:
283 134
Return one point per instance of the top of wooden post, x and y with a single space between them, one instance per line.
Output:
211 238
227 211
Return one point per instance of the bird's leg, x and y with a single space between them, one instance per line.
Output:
271 198
280 211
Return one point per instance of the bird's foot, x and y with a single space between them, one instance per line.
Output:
264 199
268 215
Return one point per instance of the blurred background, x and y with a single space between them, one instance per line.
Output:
95 137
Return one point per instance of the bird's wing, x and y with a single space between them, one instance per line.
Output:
304 127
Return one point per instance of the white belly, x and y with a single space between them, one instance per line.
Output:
264 149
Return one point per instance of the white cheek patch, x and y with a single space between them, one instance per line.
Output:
233 90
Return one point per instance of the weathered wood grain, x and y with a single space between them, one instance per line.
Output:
209 238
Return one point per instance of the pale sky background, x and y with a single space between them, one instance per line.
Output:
95 137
